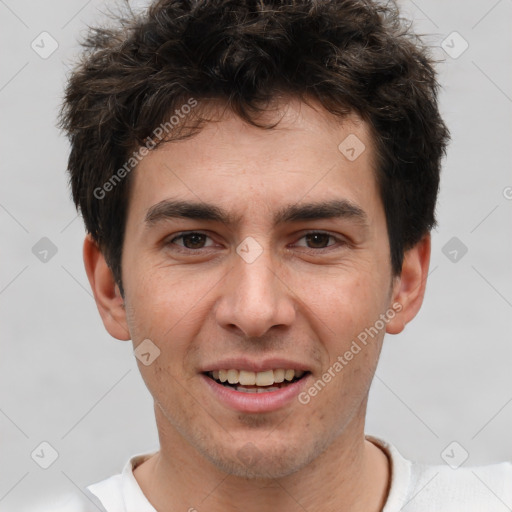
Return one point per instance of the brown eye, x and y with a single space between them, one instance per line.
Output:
318 240
192 240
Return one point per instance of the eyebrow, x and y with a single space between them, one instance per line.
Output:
331 209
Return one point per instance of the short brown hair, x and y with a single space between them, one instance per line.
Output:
349 55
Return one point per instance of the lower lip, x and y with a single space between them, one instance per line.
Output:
256 402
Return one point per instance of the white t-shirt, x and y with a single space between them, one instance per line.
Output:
415 487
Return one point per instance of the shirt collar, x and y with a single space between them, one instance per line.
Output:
122 493
400 475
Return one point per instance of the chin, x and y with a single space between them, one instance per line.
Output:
251 462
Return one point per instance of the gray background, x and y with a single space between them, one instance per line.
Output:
65 381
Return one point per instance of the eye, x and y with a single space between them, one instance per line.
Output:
194 241
319 240
191 240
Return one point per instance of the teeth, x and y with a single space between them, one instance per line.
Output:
278 376
266 378
233 376
289 374
257 390
247 378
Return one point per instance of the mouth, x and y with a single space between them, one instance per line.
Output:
268 381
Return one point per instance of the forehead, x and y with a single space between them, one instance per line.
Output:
308 154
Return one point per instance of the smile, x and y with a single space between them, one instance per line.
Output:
255 392
256 382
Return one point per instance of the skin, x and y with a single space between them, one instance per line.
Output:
299 299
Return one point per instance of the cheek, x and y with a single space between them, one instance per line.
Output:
169 308
346 300
345 310
165 298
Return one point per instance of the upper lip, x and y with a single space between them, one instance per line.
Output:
242 363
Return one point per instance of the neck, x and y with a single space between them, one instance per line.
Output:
352 474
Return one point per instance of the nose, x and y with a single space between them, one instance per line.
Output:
255 298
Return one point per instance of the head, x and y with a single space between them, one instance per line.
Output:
299 146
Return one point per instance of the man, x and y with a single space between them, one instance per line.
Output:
258 182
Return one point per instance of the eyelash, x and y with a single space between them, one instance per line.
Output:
340 242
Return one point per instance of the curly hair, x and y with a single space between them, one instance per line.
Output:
348 55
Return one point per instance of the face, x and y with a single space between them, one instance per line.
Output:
281 265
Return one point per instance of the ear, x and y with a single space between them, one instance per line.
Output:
106 292
409 287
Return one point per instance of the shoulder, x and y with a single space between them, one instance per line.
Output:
416 487
79 502
475 488
113 494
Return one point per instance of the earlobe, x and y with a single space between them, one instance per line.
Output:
106 292
409 287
